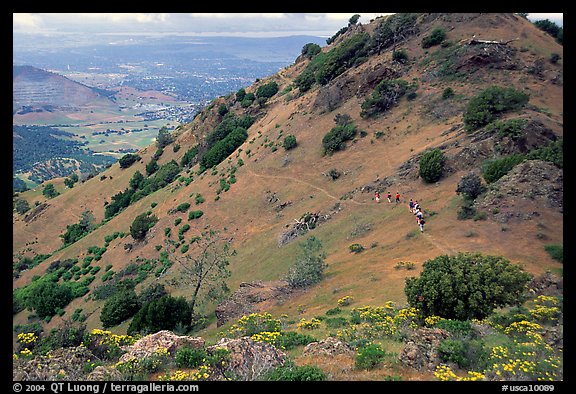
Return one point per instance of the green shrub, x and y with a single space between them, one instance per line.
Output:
291 339
199 199
447 93
513 128
289 142
483 108
223 148
467 210
470 185
188 357
183 207
399 56
435 38
310 50
267 90
556 252
325 66
47 297
432 165
456 327
309 266
119 307
293 373
128 159
189 156
337 137
161 314
334 174
466 286
369 356
552 152
469 354
49 191
195 215
141 224
384 96
21 206
494 169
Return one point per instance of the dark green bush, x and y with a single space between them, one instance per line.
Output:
369 356
436 37
128 159
432 165
464 352
556 252
551 28
189 156
483 108
161 314
470 185
141 224
552 152
47 297
195 215
267 90
223 148
461 328
512 128
289 142
183 207
467 210
494 169
466 286
293 373
447 93
21 206
152 167
240 94
119 307
337 137
399 56
325 66
310 50
187 357
385 95
49 191
291 339
222 109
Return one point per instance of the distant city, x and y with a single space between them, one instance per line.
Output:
192 70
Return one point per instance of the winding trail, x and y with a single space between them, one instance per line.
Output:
427 236
435 243
304 183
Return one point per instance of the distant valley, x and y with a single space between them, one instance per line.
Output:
113 96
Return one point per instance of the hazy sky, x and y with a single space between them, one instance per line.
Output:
248 24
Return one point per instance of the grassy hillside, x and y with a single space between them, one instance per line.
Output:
384 156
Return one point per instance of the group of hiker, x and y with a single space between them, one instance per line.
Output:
413 206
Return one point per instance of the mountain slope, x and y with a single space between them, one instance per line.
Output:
273 187
34 89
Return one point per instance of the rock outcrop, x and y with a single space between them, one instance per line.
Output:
251 297
421 350
148 345
249 360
